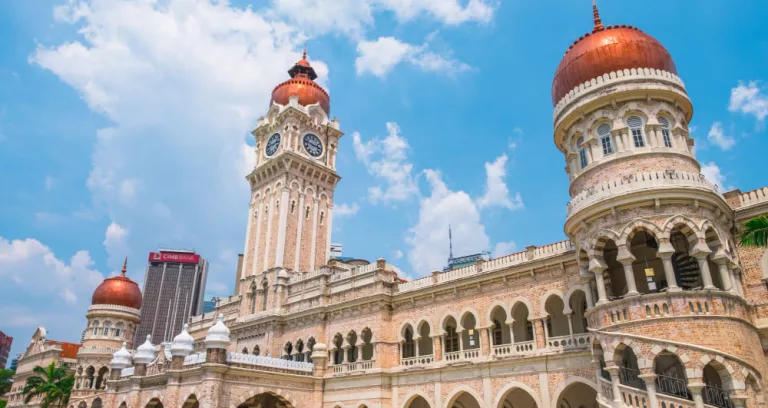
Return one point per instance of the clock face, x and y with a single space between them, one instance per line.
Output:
272 144
313 145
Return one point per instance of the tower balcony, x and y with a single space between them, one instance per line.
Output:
637 184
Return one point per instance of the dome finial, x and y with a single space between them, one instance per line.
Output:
125 266
596 14
305 53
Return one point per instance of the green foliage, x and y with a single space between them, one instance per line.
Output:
5 381
52 384
755 232
3 403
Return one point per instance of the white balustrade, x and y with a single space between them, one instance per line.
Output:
568 342
248 359
126 372
514 349
417 361
353 367
636 182
452 356
197 358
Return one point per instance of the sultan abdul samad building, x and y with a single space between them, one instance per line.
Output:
650 303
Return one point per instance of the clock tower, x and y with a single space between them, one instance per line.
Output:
292 183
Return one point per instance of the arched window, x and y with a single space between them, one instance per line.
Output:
604 133
451 339
636 129
119 330
264 292
665 131
256 350
408 348
582 152
107 327
497 334
96 328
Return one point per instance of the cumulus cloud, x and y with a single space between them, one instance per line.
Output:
345 210
504 248
749 99
115 243
712 173
380 56
387 160
428 239
181 82
353 17
496 190
33 268
718 137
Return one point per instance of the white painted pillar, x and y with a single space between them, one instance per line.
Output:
271 205
544 390
725 276
314 233
706 275
281 226
300 219
260 213
246 255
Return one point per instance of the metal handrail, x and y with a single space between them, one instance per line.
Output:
716 396
673 386
631 378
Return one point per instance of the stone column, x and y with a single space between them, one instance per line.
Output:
722 265
570 323
600 283
345 356
319 356
666 250
460 335
650 386
698 399
485 340
416 346
360 352
538 333
281 226
739 400
437 347
511 324
614 372
706 275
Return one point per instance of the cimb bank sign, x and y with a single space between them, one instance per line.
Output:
173 257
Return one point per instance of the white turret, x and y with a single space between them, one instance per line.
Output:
121 359
183 344
218 335
145 354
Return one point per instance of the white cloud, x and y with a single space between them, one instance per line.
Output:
353 17
749 99
345 210
386 159
712 173
50 182
398 254
429 237
496 190
115 243
717 137
504 248
378 57
181 82
33 268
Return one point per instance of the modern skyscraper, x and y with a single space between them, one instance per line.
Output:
5 348
174 285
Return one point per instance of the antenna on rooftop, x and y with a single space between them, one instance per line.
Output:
450 243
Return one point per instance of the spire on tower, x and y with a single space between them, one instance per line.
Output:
598 23
125 266
304 56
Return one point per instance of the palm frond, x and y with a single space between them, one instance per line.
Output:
755 232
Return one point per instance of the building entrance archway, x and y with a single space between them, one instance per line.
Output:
266 400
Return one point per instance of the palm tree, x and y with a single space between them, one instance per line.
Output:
755 232
52 383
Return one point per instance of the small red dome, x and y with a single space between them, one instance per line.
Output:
605 50
302 84
118 290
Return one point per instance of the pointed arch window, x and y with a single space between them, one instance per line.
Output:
664 122
582 152
636 129
497 337
451 339
604 133
265 291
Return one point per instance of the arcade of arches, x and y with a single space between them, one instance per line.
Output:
575 395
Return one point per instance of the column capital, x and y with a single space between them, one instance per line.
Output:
612 369
695 388
649 378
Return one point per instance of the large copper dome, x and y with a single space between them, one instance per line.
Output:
303 85
118 290
608 49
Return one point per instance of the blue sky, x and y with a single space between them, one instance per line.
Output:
124 126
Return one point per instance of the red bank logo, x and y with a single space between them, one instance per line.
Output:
173 257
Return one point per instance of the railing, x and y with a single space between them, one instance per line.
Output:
417 361
606 389
452 356
127 372
471 353
635 182
715 396
353 367
570 341
457 273
634 397
197 358
515 349
631 378
673 386
415 284
279 363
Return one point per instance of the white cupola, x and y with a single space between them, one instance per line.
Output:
183 344
218 335
121 359
145 354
